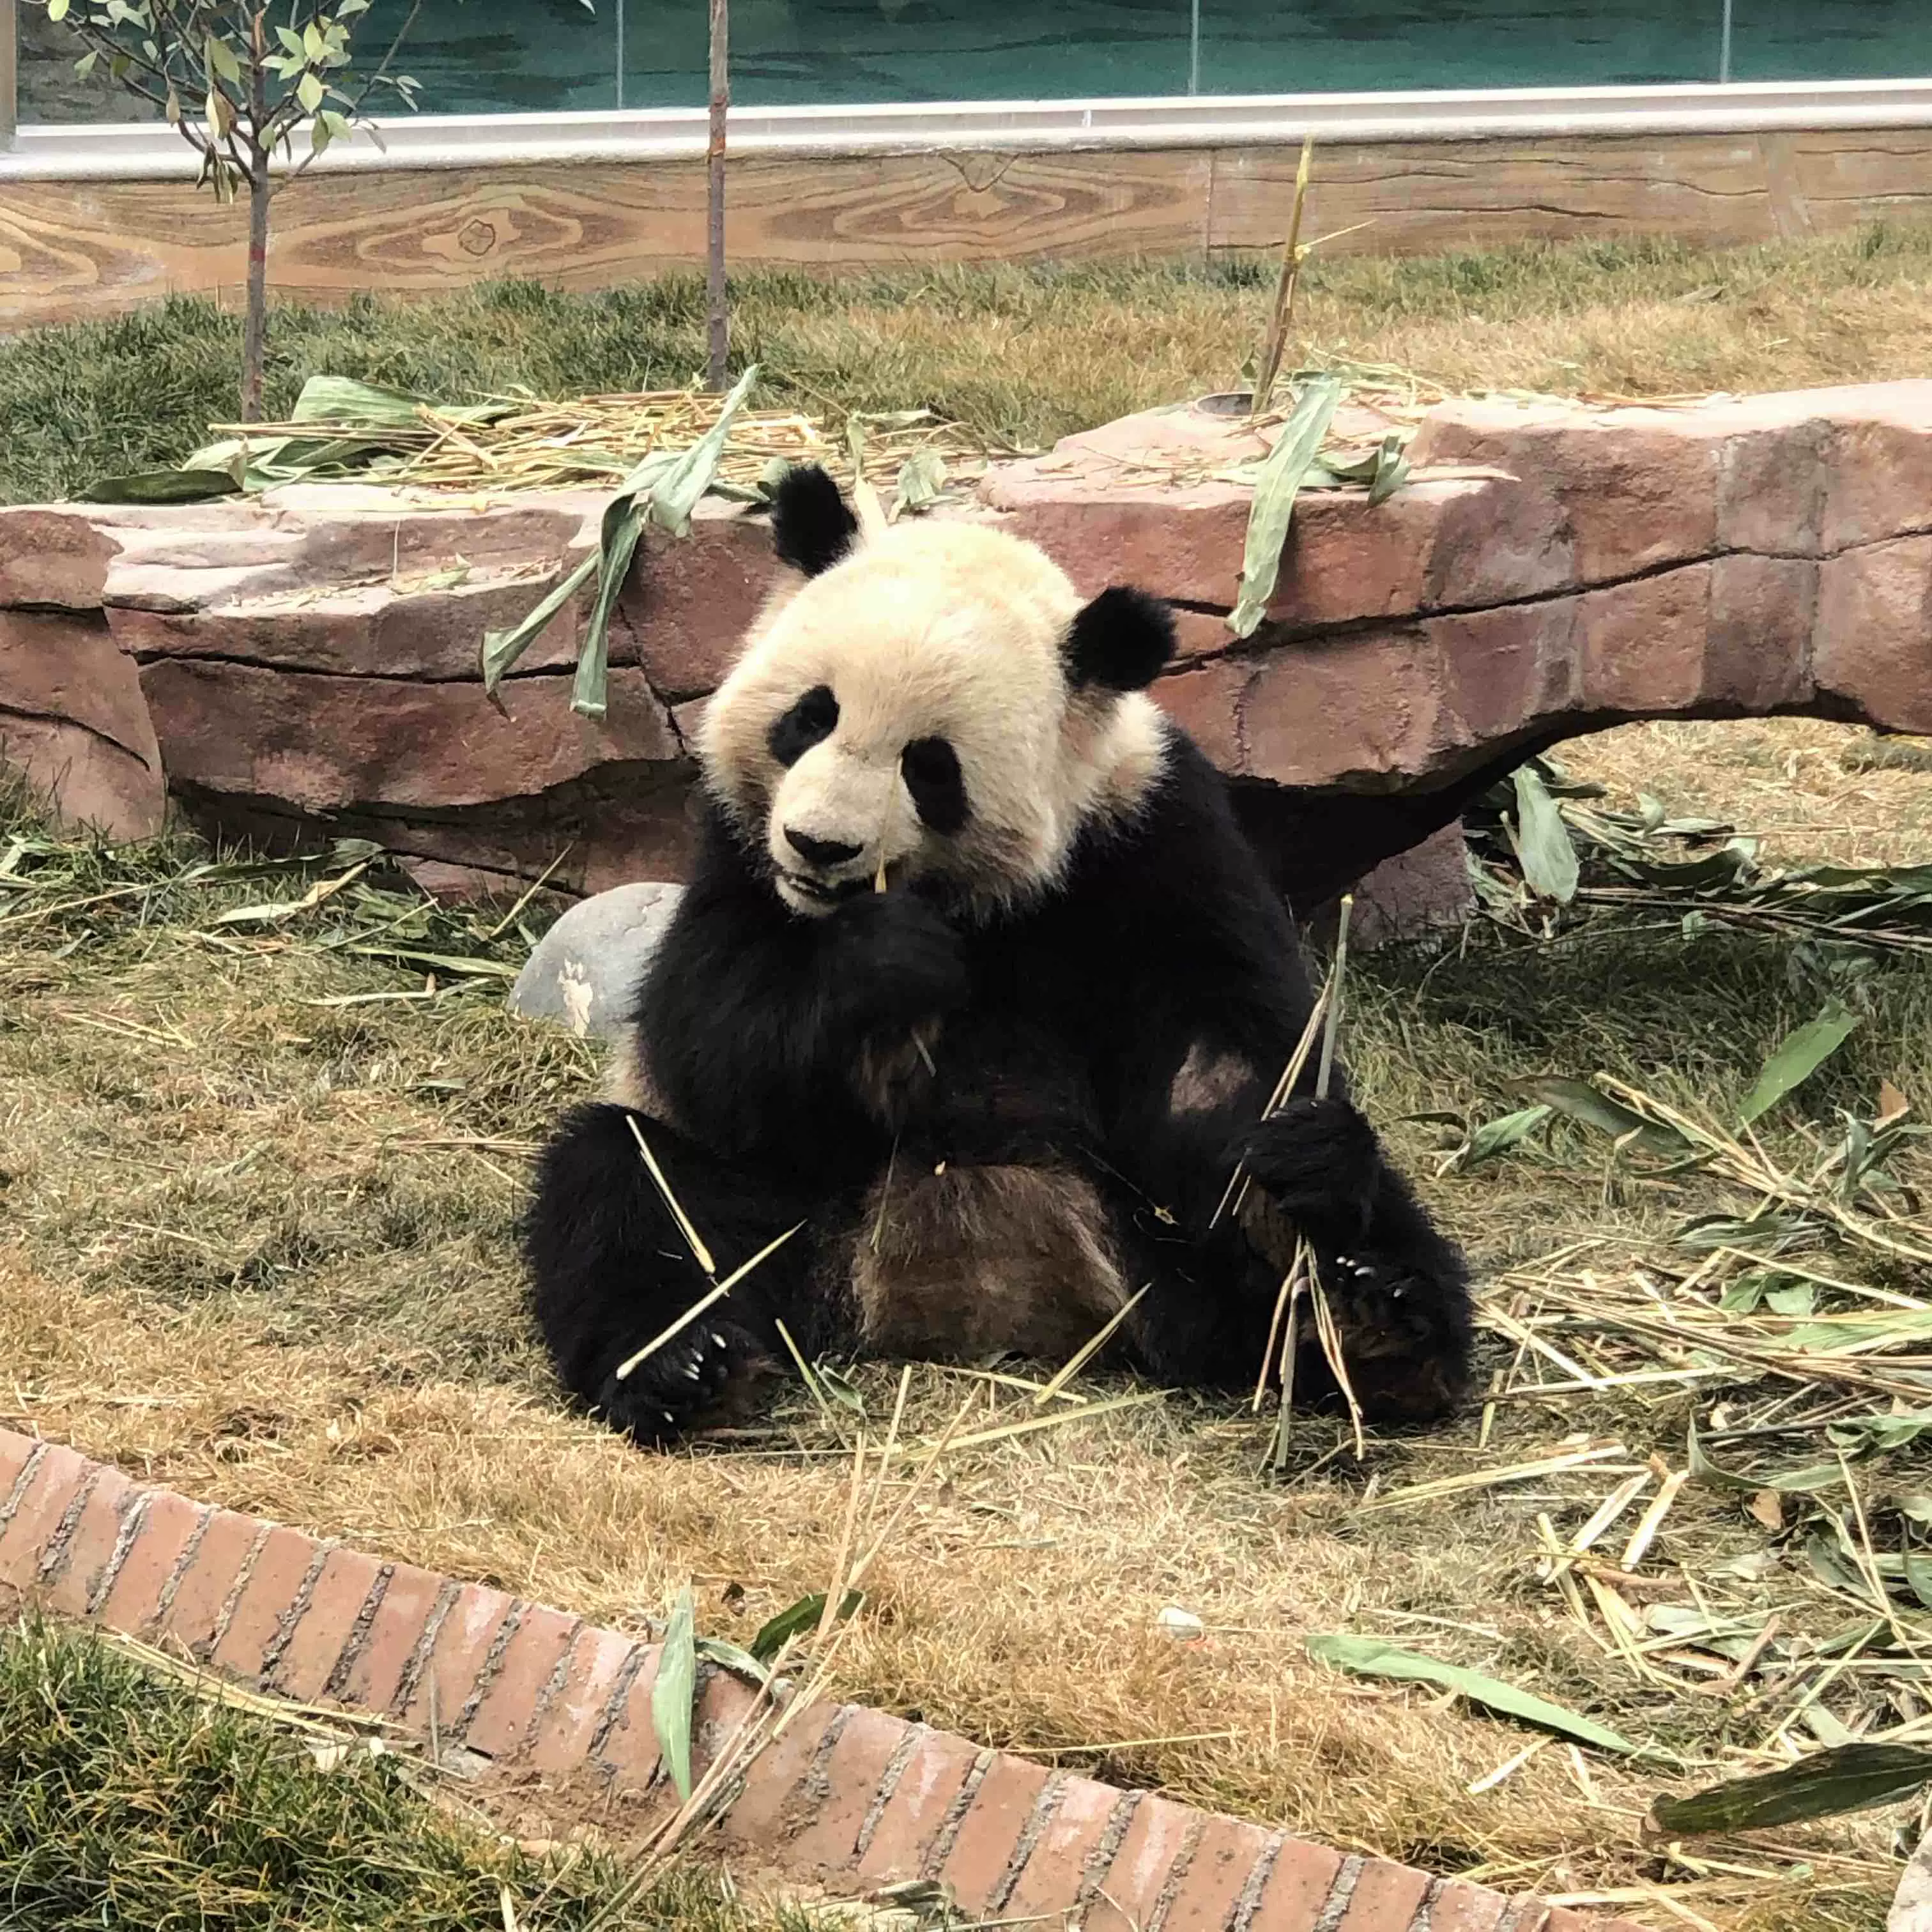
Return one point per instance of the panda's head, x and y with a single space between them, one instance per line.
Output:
934 704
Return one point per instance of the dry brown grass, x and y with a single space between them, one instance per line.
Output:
1809 789
253 1265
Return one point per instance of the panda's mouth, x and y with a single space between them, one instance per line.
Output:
822 891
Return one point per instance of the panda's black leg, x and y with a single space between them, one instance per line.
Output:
611 1270
1399 1291
1206 1298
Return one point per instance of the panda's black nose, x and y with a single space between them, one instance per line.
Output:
819 851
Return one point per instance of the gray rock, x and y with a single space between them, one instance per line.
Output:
1911 1910
585 970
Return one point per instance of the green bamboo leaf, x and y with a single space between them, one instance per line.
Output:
805 1615
674 1692
718 1650
1496 1137
1391 468
502 649
1275 489
1369 1656
1795 1482
922 476
675 495
663 490
1800 1056
1542 840
1579 1101
161 486
1849 1778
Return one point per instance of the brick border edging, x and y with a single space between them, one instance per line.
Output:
848 1797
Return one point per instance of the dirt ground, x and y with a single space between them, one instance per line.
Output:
258 1191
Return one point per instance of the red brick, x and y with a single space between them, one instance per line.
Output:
630 1753
1299 1885
524 1673
91 1548
334 1606
376 1675
976 1869
724 1702
219 1558
456 1659
168 1524
16 1451
562 1740
908 1827
774 1804
1457 1907
1156 1836
1386 1897
829 1841
1225 1858
57 1479
1049 1882
254 1630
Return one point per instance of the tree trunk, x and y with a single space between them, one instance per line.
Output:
717 314
255 329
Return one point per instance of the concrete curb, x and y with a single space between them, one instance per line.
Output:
850 1798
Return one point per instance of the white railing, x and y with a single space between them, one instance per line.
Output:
132 152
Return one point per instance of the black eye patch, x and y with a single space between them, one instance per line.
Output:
810 721
930 769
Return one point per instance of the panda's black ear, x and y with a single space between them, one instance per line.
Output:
812 525
1121 641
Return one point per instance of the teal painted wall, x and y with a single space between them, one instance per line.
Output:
481 55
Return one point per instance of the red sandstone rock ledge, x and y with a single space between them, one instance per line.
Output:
310 658
542 1701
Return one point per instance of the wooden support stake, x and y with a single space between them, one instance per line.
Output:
717 311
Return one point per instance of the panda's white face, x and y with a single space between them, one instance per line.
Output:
908 714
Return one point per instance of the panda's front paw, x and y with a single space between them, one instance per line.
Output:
900 961
669 1393
1405 1335
1318 1161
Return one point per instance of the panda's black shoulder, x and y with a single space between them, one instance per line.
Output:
1180 844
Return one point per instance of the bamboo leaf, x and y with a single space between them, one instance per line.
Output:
719 1651
1795 1482
1391 469
1799 1057
675 496
1496 1137
672 1696
161 486
1850 1777
1275 489
1542 840
805 1615
1579 1101
1369 1656
922 476
502 649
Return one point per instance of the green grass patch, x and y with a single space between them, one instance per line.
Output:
1025 353
131 1801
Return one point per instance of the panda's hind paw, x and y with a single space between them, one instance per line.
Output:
1317 1160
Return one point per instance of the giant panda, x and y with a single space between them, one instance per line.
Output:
977 984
